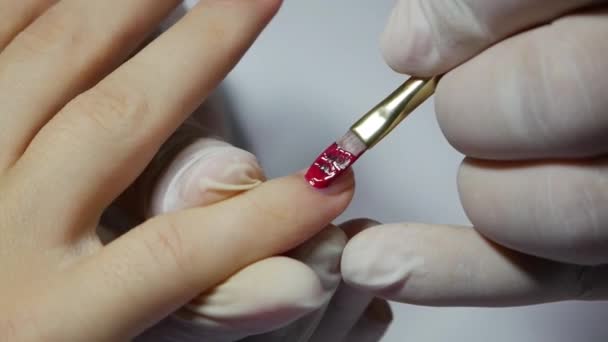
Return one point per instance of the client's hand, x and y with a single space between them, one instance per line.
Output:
281 297
79 124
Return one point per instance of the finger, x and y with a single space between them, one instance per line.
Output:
208 171
541 94
71 46
188 172
263 296
197 150
374 323
552 210
348 304
16 15
122 121
321 255
426 38
161 265
455 266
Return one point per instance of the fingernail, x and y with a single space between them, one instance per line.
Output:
205 172
343 183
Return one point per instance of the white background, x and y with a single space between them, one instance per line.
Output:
316 69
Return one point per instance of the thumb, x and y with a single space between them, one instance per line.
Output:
430 37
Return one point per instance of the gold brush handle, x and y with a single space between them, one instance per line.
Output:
381 120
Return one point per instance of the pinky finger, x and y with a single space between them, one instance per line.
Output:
456 266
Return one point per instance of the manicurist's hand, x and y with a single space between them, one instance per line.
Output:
79 124
524 98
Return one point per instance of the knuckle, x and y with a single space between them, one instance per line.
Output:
281 215
58 30
166 245
114 109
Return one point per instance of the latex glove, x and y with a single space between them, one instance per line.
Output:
351 315
525 100
79 124
267 296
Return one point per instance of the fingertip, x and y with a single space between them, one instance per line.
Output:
337 196
407 42
206 172
382 259
261 297
327 244
322 254
267 8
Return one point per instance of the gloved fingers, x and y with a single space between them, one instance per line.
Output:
456 266
261 297
348 304
298 331
322 255
537 95
192 169
430 37
341 314
556 210
205 172
374 323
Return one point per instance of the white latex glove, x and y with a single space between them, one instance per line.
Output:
525 100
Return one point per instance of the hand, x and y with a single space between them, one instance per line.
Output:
524 98
79 124
279 297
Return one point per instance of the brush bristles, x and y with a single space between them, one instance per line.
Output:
352 143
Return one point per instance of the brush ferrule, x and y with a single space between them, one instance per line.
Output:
383 118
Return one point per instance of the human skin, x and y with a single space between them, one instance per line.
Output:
79 124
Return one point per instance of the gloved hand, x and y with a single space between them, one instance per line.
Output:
525 99
281 298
